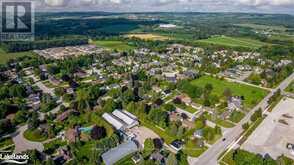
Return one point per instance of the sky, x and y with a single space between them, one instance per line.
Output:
255 6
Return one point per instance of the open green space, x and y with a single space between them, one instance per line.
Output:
262 27
113 45
5 142
233 42
218 121
192 150
160 132
252 95
127 160
236 116
5 57
34 135
290 88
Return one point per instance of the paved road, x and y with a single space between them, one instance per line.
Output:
22 144
45 89
211 155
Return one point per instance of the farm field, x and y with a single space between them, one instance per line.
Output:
263 27
251 95
5 57
113 45
233 42
148 36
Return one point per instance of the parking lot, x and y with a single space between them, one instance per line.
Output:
142 133
275 132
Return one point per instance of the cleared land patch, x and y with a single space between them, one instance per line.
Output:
233 42
5 57
113 45
252 95
148 36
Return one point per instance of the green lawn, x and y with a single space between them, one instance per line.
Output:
233 42
290 88
220 122
5 57
114 45
252 95
192 150
34 135
167 138
127 160
5 142
236 116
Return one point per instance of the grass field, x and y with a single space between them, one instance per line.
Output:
263 27
290 88
233 42
251 95
148 36
113 45
34 135
4 57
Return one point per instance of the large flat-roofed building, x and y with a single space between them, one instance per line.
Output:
113 121
115 154
121 119
130 122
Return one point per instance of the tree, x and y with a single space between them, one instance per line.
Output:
180 132
158 143
245 126
228 93
148 147
98 132
171 159
83 99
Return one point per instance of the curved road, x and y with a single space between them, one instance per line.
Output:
22 144
211 155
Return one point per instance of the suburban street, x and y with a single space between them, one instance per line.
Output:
22 144
211 155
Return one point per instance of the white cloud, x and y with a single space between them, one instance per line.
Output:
267 2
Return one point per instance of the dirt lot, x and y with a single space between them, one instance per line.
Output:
274 132
142 133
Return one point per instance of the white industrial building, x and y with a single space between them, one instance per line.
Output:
121 119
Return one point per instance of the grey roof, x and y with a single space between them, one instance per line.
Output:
117 153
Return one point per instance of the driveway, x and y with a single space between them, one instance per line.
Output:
22 144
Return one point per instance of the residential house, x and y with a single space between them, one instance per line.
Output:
72 135
235 103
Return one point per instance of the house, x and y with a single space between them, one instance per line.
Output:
80 73
234 103
53 80
177 145
185 99
65 115
115 154
136 158
72 135
198 133
63 156
157 156
172 77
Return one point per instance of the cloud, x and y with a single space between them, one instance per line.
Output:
272 6
267 2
